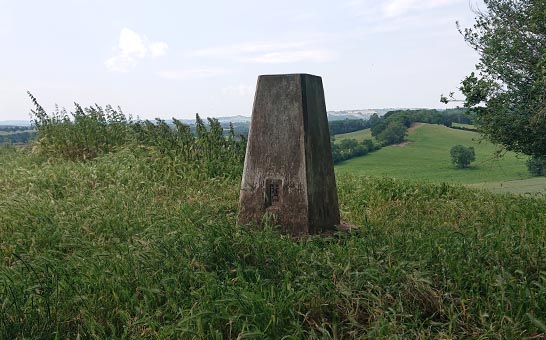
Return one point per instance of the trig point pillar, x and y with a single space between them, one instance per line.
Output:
288 169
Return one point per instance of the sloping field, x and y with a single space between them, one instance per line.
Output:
426 157
358 135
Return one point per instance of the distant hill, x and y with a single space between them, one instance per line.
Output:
332 116
240 119
15 123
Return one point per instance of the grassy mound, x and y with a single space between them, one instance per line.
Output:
131 246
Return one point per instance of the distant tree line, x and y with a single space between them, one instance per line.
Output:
13 128
18 137
338 127
465 128
350 148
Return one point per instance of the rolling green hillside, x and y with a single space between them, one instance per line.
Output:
426 157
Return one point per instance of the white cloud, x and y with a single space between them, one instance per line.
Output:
130 43
269 53
158 49
193 73
131 48
239 90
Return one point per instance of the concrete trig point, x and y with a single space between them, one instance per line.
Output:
288 169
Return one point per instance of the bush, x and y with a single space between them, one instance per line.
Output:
393 133
350 148
462 156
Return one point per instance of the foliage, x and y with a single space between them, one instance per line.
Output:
16 134
125 247
350 148
536 166
82 134
17 137
393 133
13 128
462 156
508 92
90 132
445 117
337 127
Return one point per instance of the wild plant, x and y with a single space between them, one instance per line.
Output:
89 132
82 134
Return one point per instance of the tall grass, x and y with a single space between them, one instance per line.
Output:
87 133
82 134
129 246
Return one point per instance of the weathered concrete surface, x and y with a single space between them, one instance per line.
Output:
288 169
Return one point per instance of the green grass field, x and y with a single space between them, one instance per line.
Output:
130 246
427 157
358 135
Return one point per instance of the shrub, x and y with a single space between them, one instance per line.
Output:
350 148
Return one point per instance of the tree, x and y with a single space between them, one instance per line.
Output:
508 91
393 133
374 119
535 165
462 156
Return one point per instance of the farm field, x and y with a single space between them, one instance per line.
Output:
426 157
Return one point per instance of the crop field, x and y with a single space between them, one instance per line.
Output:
426 157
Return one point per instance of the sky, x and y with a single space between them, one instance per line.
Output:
177 58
